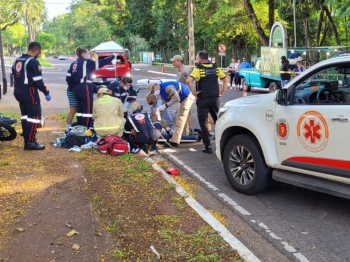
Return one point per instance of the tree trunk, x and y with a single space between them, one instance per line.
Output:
319 26
255 22
271 13
325 30
307 33
334 28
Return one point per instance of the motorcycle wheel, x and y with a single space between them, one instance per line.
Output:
7 132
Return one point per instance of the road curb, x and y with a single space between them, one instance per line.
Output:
237 245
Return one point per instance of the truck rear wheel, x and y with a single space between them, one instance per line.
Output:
245 86
273 87
245 166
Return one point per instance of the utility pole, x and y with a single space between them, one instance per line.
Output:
190 33
4 81
295 27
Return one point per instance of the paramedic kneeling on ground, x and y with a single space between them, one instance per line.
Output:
208 92
109 114
175 92
140 131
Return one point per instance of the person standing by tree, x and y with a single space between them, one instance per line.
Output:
28 80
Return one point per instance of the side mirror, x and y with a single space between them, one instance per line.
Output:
281 96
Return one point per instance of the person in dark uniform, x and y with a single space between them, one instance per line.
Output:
123 90
79 77
208 92
141 133
28 81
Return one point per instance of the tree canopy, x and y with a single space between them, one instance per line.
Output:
162 24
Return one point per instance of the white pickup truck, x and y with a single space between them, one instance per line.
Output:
298 135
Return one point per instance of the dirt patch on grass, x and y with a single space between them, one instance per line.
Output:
119 206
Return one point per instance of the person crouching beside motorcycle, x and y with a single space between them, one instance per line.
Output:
139 130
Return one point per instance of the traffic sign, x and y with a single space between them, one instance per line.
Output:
222 54
222 48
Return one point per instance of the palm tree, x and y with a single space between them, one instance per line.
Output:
33 13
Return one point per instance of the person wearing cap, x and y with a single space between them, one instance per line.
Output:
208 92
183 72
171 93
285 71
139 130
109 114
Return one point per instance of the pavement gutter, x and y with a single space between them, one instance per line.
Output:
237 245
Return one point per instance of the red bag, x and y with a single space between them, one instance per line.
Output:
113 145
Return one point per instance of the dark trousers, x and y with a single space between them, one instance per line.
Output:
31 118
237 79
84 94
232 77
204 106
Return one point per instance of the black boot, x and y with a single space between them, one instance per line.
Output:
33 145
208 150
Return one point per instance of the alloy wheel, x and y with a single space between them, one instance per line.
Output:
242 165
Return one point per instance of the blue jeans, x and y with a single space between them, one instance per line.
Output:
284 82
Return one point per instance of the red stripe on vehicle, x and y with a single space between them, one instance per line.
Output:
322 162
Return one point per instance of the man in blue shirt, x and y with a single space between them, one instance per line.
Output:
243 65
174 92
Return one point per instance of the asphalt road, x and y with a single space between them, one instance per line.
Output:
302 224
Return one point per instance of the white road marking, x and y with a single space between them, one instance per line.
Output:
288 247
274 236
263 226
240 209
301 257
242 250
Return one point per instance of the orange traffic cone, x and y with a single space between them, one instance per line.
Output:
163 69
244 91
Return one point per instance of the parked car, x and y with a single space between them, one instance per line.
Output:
55 56
109 73
297 135
62 57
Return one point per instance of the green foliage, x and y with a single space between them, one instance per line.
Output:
46 40
13 37
82 27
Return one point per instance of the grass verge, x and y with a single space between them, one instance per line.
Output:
44 63
140 210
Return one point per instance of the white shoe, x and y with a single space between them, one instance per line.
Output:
89 145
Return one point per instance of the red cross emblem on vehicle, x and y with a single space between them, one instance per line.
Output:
312 131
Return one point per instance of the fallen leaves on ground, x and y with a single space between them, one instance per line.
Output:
133 203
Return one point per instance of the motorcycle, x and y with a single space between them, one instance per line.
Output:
7 132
